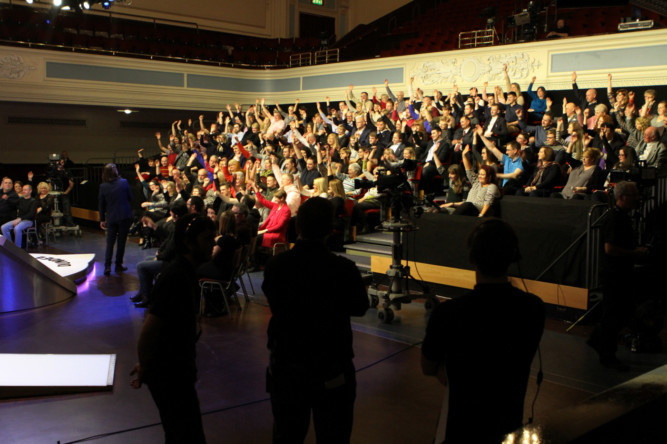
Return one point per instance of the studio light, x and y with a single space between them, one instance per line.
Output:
81 5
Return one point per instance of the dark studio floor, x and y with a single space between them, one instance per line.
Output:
395 403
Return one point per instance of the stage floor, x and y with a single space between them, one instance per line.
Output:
395 403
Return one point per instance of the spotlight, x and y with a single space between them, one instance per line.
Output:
29 2
86 5
57 3
106 5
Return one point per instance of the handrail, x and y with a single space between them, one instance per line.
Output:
115 52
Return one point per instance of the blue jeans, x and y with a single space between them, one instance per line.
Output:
116 231
18 230
147 270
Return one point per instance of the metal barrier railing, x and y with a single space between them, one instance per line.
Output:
301 59
321 57
327 56
480 37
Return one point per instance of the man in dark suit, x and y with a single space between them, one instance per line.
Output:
495 128
463 135
588 100
115 205
437 147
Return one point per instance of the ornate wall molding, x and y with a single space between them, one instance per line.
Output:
24 76
474 69
13 67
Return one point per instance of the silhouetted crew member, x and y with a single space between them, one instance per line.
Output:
482 344
312 294
166 349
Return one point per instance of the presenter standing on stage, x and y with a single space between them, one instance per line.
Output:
115 201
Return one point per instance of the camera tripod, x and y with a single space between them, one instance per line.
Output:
399 277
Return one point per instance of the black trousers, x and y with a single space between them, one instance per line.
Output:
294 397
176 399
618 305
116 232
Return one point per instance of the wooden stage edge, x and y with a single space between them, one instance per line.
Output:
550 293
82 213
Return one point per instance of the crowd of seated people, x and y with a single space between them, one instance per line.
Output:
471 149
24 205
519 142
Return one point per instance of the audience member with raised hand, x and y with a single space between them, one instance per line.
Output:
538 104
546 175
584 177
483 193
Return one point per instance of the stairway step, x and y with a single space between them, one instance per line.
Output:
378 238
364 249
363 263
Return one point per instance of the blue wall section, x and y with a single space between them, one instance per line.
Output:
56 70
609 59
242 85
373 77
71 71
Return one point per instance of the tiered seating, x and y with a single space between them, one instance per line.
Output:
437 28
30 26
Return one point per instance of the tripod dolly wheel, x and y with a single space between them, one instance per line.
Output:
386 315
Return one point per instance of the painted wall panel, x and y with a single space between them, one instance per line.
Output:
367 77
242 84
653 55
73 71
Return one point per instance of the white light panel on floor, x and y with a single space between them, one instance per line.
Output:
35 370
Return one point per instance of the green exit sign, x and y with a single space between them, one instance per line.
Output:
317 2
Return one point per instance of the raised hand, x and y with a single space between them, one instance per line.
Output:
574 76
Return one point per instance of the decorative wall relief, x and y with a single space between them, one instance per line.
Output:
520 65
13 67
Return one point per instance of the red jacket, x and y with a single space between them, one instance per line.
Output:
276 224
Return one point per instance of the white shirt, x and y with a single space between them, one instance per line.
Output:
488 132
650 147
